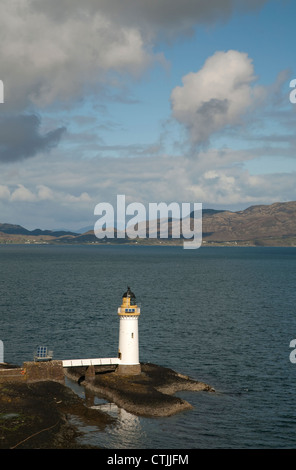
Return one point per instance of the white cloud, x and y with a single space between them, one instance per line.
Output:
84 197
45 193
216 96
42 193
4 192
64 200
22 194
52 58
59 49
216 179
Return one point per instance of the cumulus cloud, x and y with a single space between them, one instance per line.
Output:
217 180
84 197
216 96
40 194
65 48
22 194
4 192
62 55
20 137
171 17
45 193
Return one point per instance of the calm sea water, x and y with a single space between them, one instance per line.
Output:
225 316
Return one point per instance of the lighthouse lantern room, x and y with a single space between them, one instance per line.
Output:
128 350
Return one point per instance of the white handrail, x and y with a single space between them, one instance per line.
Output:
105 361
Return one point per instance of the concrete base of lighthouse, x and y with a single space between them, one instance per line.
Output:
133 369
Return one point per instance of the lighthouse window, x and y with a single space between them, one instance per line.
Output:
132 335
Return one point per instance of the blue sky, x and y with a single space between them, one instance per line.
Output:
161 101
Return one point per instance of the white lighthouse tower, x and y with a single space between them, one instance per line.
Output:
128 349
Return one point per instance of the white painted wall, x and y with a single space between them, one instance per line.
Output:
129 340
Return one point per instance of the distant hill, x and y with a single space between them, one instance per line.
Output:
19 230
260 224
273 224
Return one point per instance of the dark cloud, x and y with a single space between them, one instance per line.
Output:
20 137
212 107
167 16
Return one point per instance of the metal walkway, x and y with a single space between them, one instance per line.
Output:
105 361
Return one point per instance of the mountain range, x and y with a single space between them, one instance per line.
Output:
273 224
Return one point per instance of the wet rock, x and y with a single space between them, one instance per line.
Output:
150 393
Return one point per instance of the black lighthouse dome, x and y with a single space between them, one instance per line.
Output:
131 295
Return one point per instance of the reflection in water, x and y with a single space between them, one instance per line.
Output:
127 432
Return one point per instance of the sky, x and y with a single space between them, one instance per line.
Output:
157 100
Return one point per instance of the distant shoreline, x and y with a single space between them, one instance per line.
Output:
261 225
239 244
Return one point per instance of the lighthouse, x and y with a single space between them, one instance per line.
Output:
128 349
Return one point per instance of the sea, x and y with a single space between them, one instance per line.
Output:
222 315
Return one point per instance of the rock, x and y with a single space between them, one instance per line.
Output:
147 394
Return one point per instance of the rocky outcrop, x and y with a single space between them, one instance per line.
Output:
150 393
